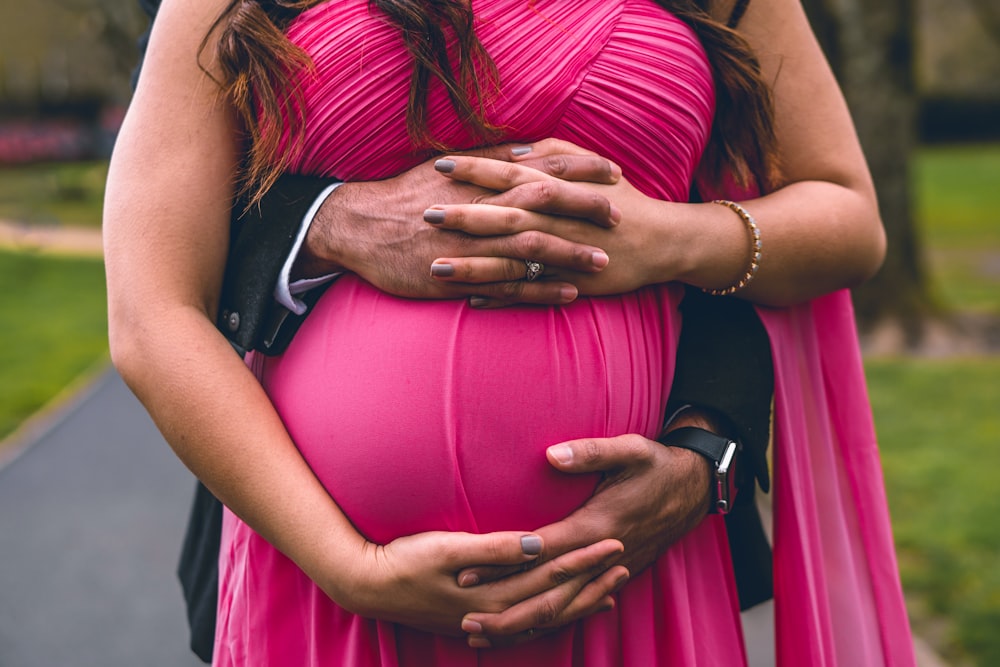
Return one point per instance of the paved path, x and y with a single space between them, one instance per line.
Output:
64 239
91 519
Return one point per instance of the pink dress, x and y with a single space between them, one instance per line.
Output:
420 415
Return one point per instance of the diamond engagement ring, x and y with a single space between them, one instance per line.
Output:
533 269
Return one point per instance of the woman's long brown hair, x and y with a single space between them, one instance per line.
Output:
257 60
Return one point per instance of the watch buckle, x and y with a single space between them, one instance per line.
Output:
723 502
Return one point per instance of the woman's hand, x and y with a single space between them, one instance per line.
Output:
414 580
530 201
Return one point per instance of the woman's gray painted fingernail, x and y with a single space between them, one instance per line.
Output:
445 166
531 545
442 270
478 301
435 216
520 150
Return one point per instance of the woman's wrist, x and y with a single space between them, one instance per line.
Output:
755 247
342 568
689 243
709 245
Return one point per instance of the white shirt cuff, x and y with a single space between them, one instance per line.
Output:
284 290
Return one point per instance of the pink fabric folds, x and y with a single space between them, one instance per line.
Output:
838 599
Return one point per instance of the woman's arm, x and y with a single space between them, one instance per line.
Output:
166 232
820 228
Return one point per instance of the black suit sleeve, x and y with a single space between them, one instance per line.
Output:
724 364
261 241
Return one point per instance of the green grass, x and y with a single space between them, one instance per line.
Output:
939 420
939 425
956 195
54 193
53 318
955 190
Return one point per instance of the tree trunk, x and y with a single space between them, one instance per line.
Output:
869 45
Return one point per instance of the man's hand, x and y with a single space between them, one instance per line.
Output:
652 496
377 230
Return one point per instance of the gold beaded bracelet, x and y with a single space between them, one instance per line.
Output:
755 246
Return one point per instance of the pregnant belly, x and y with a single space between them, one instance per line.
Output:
419 415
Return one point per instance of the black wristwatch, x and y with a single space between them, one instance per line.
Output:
721 453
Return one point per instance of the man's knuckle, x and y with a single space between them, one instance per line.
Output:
639 445
582 255
561 575
605 168
514 271
546 613
556 165
591 451
546 192
599 202
597 165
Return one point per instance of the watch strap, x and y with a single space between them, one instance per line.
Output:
713 447
721 453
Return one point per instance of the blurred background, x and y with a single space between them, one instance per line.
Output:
923 81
